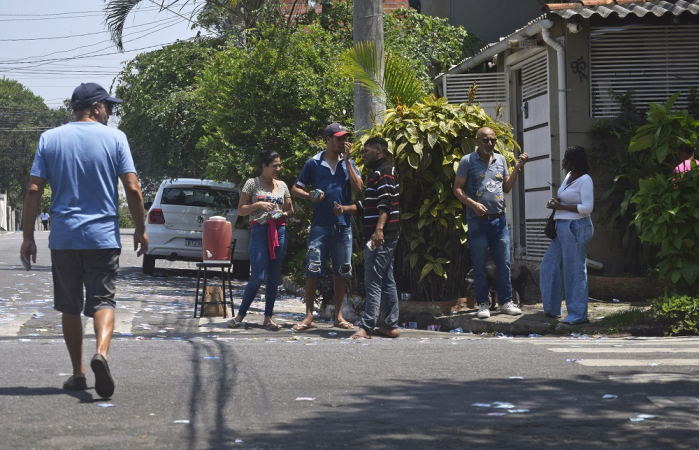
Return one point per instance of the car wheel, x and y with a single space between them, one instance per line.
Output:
241 270
148 264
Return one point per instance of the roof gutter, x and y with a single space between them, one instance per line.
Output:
486 55
562 84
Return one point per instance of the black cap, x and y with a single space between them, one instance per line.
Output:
88 93
335 129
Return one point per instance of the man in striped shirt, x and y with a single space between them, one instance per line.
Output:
381 231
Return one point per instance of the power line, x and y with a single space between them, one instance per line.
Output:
171 22
80 35
85 56
145 8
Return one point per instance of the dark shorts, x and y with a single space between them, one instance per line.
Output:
95 270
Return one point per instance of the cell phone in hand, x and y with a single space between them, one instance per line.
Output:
25 263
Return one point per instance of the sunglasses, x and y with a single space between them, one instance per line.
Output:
487 140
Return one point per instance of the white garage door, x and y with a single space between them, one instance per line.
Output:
536 140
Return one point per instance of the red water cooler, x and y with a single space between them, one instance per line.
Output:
216 243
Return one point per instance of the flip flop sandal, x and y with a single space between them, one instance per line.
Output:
75 384
234 323
104 383
302 327
273 327
345 325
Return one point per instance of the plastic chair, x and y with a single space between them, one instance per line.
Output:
226 268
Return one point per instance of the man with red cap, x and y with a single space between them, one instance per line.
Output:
332 175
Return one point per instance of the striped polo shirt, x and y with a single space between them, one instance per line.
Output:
381 194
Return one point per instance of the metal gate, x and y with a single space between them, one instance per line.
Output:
535 137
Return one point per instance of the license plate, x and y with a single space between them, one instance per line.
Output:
192 242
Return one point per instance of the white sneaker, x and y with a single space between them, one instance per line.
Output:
510 309
484 310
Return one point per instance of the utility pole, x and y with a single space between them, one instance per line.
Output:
368 26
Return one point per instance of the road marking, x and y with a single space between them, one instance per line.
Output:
643 378
636 362
625 350
609 342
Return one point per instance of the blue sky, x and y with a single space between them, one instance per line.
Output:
52 46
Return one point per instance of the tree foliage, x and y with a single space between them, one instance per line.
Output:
620 172
431 42
163 115
390 78
666 214
279 94
23 117
427 141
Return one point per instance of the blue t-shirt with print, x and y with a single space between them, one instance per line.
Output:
82 162
484 181
317 174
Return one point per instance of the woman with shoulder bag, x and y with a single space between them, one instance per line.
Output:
564 263
268 203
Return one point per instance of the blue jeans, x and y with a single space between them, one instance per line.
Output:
334 241
484 233
261 268
380 287
564 264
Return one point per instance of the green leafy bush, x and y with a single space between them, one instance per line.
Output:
680 313
427 141
666 213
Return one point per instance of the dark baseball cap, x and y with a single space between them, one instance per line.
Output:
335 129
88 93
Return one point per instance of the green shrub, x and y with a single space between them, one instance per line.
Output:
680 313
125 220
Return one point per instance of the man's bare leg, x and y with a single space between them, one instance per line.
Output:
104 328
73 335
311 286
340 285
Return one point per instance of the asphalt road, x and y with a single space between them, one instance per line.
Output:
190 383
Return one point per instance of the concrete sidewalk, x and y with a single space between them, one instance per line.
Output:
289 310
531 321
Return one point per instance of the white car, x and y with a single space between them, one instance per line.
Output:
176 219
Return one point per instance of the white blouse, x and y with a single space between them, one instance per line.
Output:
580 193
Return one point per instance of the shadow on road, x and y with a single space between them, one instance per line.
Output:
440 414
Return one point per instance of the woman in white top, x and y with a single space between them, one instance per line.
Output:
564 263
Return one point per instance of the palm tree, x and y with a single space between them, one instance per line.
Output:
220 15
117 11
390 78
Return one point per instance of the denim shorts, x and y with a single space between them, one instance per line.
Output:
334 241
96 270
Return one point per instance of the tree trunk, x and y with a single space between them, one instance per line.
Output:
368 26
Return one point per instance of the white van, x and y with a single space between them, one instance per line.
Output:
176 218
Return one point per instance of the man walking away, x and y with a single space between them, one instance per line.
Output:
83 162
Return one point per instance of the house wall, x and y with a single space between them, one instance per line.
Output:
485 19
602 248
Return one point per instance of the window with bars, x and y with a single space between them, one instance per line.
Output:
653 61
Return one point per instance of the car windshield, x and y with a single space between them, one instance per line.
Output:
202 197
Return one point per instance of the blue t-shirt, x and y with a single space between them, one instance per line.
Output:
82 162
316 173
484 181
